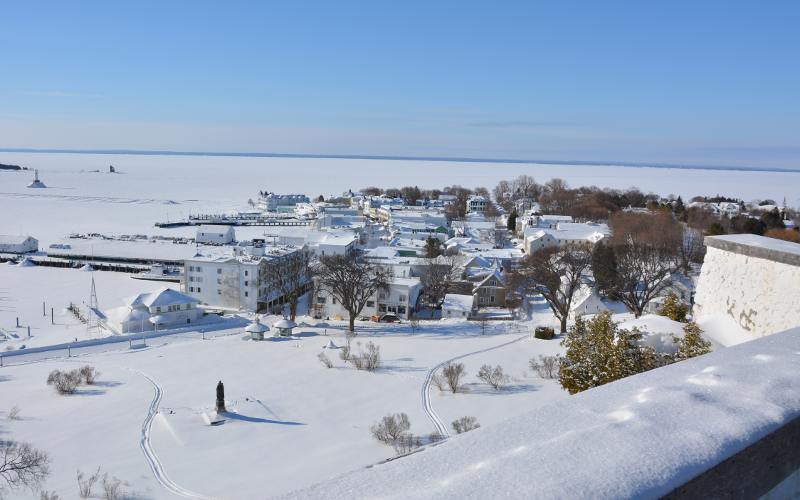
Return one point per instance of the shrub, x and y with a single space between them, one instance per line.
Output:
439 382
692 344
49 495
674 309
112 488
390 428
598 352
453 373
88 374
369 360
546 366
434 437
86 483
465 424
13 413
493 376
544 333
405 443
344 352
325 360
64 382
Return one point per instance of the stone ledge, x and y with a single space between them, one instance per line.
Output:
760 247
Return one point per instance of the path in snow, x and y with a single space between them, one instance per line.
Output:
426 387
149 453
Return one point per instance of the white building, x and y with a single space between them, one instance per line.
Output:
163 309
215 235
18 243
270 202
457 306
400 299
476 204
586 301
565 233
238 281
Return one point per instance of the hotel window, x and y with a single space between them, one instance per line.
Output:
246 283
198 289
245 273
219 270
246 294
370 303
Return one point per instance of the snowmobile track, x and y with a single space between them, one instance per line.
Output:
441 428
149 453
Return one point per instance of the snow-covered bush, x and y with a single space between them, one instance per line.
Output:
692 344
544 332
13 413
64 382
453 373
369 360
674 309
465 424
49 495
405 443
546 366
493 376
88 374
391 428
112 488
344 352
86 483
325 360
598 352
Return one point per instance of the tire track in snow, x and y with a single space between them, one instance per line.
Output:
149 453
426 387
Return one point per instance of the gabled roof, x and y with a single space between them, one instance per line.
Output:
13 239
496 275
160 298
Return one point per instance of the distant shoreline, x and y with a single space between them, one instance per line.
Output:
602 163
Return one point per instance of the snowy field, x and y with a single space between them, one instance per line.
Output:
296 422
147 189
23 289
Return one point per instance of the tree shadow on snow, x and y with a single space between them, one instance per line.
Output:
257 420
484 389
89 392
107 383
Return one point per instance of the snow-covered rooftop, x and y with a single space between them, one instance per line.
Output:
458 302
760 246
640 437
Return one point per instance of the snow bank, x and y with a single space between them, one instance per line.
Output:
640 437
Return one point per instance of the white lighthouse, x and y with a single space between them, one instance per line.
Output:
36 182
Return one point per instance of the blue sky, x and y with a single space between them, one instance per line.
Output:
682 81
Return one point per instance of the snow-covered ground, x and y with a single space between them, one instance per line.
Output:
639 437
23 289
147 189
296 422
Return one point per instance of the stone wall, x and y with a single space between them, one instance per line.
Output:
752 279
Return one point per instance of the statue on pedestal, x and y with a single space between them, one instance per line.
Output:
221 398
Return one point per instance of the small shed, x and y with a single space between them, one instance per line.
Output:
285 327
215 235
256 329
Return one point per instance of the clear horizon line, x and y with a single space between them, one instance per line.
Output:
155 152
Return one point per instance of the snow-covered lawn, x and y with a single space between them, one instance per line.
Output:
296 423
23 289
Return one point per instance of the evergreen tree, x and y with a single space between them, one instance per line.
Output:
433 247
511 224
599 352
692 344
674 309
604 268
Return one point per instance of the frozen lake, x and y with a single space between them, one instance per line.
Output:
150 188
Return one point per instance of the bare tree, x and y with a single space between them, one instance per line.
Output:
493 376
465 424
325 360
453 373
546 366
555 273
437 278
22 465
391 428
646 249
86 483
289 276
691 250
350 280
